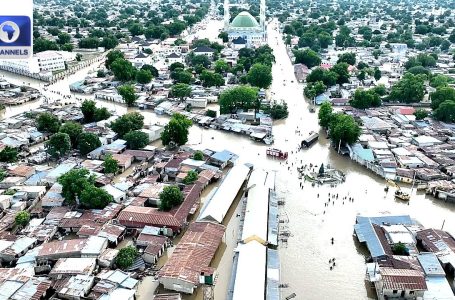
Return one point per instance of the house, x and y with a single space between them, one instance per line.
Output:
53 197
154 132
67 267
239 43
425 141
223 159
117 195
400 284
10 251
61 169
94 246
174 58
107 258
61 249
204 50
75 287
124 161
113 232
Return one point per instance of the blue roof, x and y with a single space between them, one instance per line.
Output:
224 156
273 284
365 231
365 154
321 99
430 264
36 178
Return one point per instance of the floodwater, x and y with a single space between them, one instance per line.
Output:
304 259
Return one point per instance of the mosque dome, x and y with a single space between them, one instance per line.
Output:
244 20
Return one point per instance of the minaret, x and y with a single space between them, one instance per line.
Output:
226 14
262 18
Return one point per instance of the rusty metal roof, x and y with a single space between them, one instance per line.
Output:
403 279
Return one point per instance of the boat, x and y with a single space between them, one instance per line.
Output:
276 153
399 193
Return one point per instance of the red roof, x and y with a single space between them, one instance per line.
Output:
403 279
407 110
194 252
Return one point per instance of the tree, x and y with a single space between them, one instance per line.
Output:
136 29
341 70
365 99
128 122
123 70
409 89
343 128
314 89
419 70
307 57
190 177
88 109
41 44
440 80
348 57
143 76
175 66
377 74
58 145
102 114
400 249
88 142
181 76
211 79
202 60
8 154
136 139
63 38
176 131
128 94
73 130
325 114
93 197
126 257
109 42
170 196
110 165
278 111
445 112
224 36
47 122
440 95
74 182
221 66
239 97
198 155
22 218
181 90
113 56
151 69
325 40
420 114
260 76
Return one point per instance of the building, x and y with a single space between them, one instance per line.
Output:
246 26
46 61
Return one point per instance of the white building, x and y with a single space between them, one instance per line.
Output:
41 62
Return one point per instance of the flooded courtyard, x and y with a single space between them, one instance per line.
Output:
312 225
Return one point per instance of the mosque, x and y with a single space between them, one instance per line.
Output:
245 27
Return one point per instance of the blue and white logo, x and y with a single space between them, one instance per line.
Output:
15 37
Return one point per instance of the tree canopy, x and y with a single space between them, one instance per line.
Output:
347 57
58 145
176 131
442 94
343 128
307 57
73 130
74 182
190 177
325 114
22 218
260 76
128 122
8 154
88 142
365 99
409 89
170 196
136 139
126 257
445 112
47 122
181 90
128 94
110 165
239 97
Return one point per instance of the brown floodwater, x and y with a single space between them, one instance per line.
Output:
304 259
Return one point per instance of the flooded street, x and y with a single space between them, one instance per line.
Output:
305 259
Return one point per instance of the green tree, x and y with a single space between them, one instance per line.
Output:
400 249
341 70
445 112
170 196
151 69
176 131
260 76
113 56
190 177
377 74
224 36
88 109
8 154
73 130
325 114
409 89
314 89
47 122
198 155
74 182
93 197
181 76
440 95
365 99
239 97
175 66
307 57
343 128
126 257
278 111
110 165
128 94
109 42
136 139
348 57
221 66
143 76
210 79
203 60
325 40
102 114
420 114
58 145
63 38
440 80
419 70
88 142
128 122
181 90
22 218
136 29
123 70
